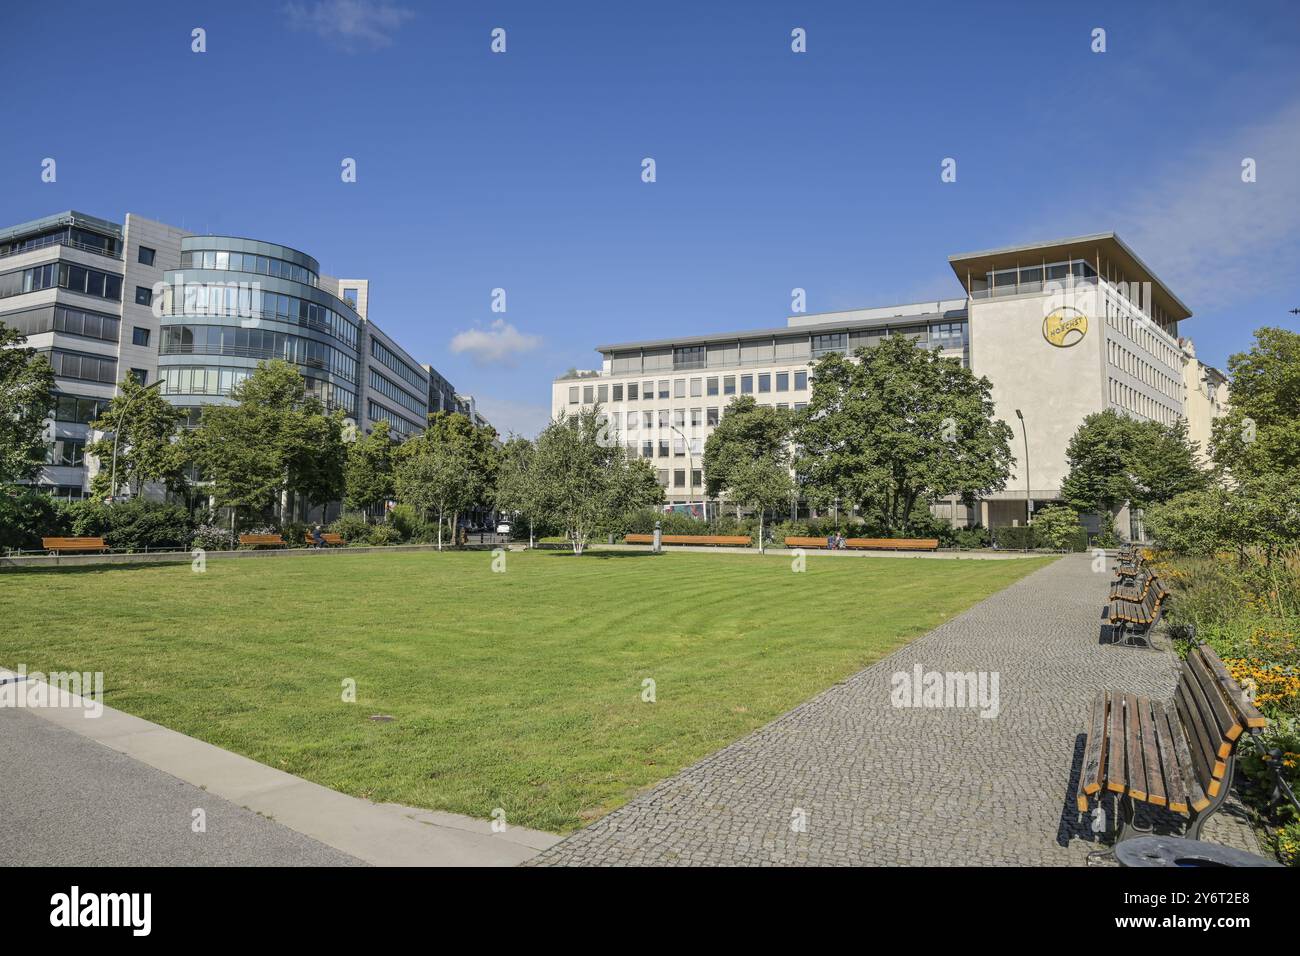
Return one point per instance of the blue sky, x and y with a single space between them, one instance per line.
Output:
775 170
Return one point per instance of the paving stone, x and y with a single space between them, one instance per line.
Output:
883 785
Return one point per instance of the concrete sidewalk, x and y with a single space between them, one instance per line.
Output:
354 829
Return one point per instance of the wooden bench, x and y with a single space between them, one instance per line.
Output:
330 539
1178 755
1134 589
803 542
55 545
261 540
1132 619
893 544
736 540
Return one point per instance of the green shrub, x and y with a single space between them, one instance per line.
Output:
1190 523
211 537
27 515
134 525
353 528
295 534
383 535
404 520
969 538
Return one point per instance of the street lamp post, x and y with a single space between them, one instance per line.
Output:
690 470
1029 504
117 432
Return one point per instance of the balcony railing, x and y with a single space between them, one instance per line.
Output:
48 241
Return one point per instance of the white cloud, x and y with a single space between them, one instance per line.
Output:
519 418
500 342
1212 237
370 22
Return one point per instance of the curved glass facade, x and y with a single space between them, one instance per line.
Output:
235 302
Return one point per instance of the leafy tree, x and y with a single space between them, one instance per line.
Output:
585 480
1057 527
1260 434
27 515
1116 460
26 396
368 475
150 442
747 458
901 426
518 485
478 446
1100 455
275 441
434 477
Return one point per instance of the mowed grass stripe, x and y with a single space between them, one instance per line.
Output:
519 690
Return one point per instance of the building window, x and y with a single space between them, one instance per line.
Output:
697 387
690 357
602 393
663 477
647 449
765 381
663 448
350 297
826 343
648 420
713 385
631 391
729 385
800 381
618 393
139 336
783 381
679 388
679 478
679 417
143 295
746 385
697 478
573 395
647 390
663 418
663 388
588 394
711 416
697 417
67 452
146 256
140 375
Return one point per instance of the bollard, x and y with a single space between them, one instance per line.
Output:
658 547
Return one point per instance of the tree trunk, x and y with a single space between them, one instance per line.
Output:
439 530
530 534
760 531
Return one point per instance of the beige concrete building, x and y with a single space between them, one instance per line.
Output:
1062 330
1206 390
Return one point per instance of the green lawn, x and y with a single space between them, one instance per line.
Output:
519 690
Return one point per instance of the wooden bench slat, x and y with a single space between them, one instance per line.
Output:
1246 710
1226 723
1137 776
1198 742
73 544
1187 769
1116 777
1175 789
1092 776
1199 703
1151 755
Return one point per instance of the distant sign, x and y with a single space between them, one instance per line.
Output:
1065 326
